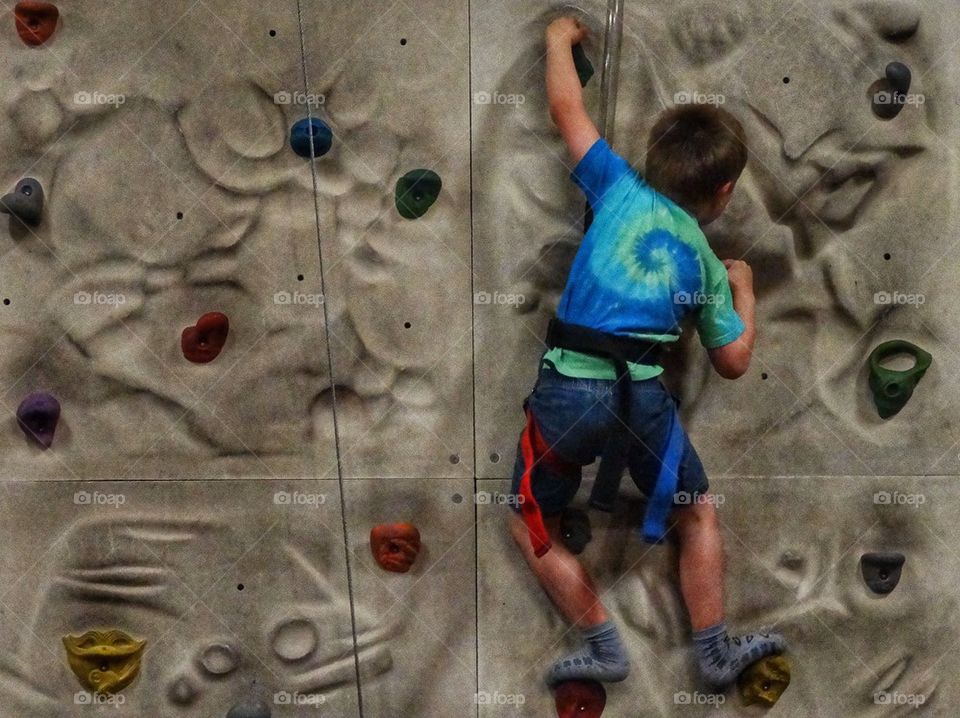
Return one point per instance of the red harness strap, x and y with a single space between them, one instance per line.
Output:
533 448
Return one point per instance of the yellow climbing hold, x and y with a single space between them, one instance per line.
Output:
764 681
104 661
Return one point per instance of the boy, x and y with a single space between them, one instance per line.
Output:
643 266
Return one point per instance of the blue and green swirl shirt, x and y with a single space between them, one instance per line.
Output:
643 267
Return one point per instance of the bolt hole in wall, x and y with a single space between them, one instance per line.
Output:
786 81
240 586
403 41
299 277
887 256
179 215
273 33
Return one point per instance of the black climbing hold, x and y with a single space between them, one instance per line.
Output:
893 388
575 529
249 708
416 192
25 202
37 417
881 571
888 95
899 77
309 134
583 64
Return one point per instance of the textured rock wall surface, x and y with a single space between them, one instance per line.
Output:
375 365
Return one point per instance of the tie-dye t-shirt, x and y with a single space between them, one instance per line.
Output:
643 267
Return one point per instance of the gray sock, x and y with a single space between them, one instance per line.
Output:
603 658
723 658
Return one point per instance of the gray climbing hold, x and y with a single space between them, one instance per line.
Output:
575 529
25 202
889 94
249 708
37 417
881 571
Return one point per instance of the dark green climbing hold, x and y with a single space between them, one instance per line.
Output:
416 192
893 388
583 65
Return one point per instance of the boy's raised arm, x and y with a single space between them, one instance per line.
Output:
563 87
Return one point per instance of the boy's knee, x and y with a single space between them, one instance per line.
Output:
700 516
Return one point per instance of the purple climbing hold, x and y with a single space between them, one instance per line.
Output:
37 417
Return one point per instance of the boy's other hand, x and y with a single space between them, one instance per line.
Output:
567 30
739 273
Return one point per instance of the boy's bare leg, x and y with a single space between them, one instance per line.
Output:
701 563
562 576
721 657
569 586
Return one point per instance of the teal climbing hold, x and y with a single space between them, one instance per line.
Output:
311 137
892 388
416 192
583 64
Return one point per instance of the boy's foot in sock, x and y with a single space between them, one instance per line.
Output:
722 658
603 658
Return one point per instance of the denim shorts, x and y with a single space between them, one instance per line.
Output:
577 416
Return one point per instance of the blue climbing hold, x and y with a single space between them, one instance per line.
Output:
307 131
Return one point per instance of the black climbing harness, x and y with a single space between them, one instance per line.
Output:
621 350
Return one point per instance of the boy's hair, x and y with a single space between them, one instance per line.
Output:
693 151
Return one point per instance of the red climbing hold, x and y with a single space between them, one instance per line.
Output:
202 342
395 546
36 21
580 699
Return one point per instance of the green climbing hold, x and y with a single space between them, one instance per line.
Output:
892 388
416 192
583 64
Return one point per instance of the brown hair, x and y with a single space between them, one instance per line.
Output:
693 151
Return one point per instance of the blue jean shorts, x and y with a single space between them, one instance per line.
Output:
577 416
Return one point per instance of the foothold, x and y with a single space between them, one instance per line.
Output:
311 137
893 388
888 95
104 661
249 708
219 659
580 699
37 417
881 571
36 21
416 192
203 342
899 77
395 546
764 681
575 529
583 64
25 202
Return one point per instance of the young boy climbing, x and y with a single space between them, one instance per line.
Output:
643 267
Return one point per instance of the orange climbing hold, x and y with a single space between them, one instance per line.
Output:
395 546
36 21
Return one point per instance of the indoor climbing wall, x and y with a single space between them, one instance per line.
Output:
273 285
